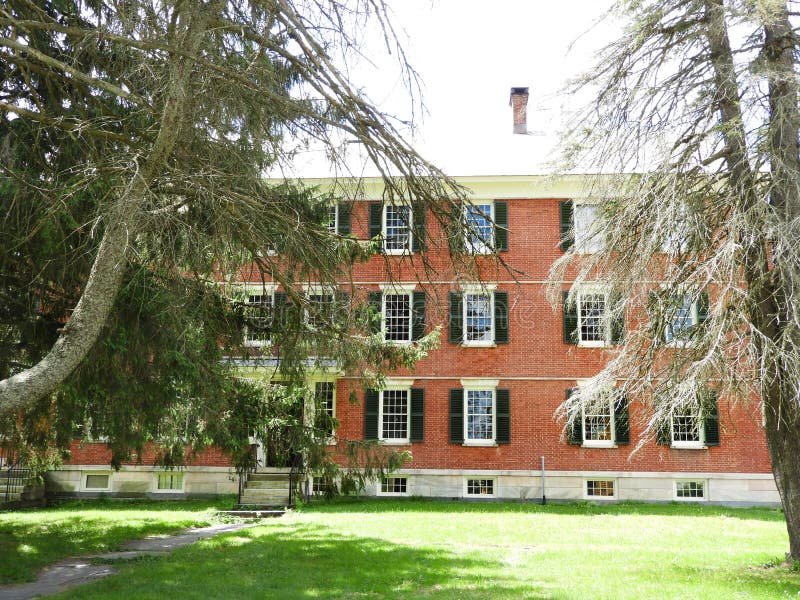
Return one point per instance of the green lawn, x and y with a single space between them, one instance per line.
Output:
31 539
435 550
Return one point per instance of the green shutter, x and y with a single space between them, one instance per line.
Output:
456 317
417 414
457 416
503 417
570 320
566 211
501 317
710 412
617 320
418 315
418 239
702 307
574 427
344 217
622 428
375 219
501 226
370 414
664 433
375 301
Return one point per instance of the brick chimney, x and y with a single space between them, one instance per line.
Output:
519 106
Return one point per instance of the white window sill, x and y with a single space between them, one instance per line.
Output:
403 252
598 444
676 499
600 498
257 344
679 344
478 345
398 342
689 446
592 344
404 442
480 443
167 492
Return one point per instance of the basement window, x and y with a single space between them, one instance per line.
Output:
480 487
601 488
394 486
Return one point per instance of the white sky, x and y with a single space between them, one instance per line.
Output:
469 53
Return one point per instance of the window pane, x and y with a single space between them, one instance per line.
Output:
597 423
479 228
320 309
603 488
96 482
478 309
395 415
324 394
397 235
330 220
685 427
394 485
680 318
398 317
258 319
690 489
479 414
585 215
480 487
169 481
591 312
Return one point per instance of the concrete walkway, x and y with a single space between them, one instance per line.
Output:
72 572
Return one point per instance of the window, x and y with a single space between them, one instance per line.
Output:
592 318
397 228
325 409
586 240
682 317
690 490
592 322
394 486
169 481
686 430
480 414
397 317
321 486
479 317
258 312
331 220
96 481
600 488
479 424
479 237
695 426
603 423
480 487
394 415
320 309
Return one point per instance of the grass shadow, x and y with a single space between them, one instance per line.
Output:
297 560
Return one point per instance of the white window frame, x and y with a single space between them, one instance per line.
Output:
586 290
480 385
693 321
611 443
332 434
156 476
396 384
253 289
85 474
703 482
487 246
333 226
698 444
315 290
379 491
486 290
480 478
613 481
581 246
392 290
409 225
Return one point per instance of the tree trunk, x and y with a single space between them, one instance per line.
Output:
782 428
122 222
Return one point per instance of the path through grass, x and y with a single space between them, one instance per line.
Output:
436 550
32 539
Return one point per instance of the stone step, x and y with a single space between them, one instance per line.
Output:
268 485
265 499
268 477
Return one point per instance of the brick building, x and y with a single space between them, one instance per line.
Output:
477 414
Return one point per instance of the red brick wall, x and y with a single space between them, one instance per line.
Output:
97 453
536 351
